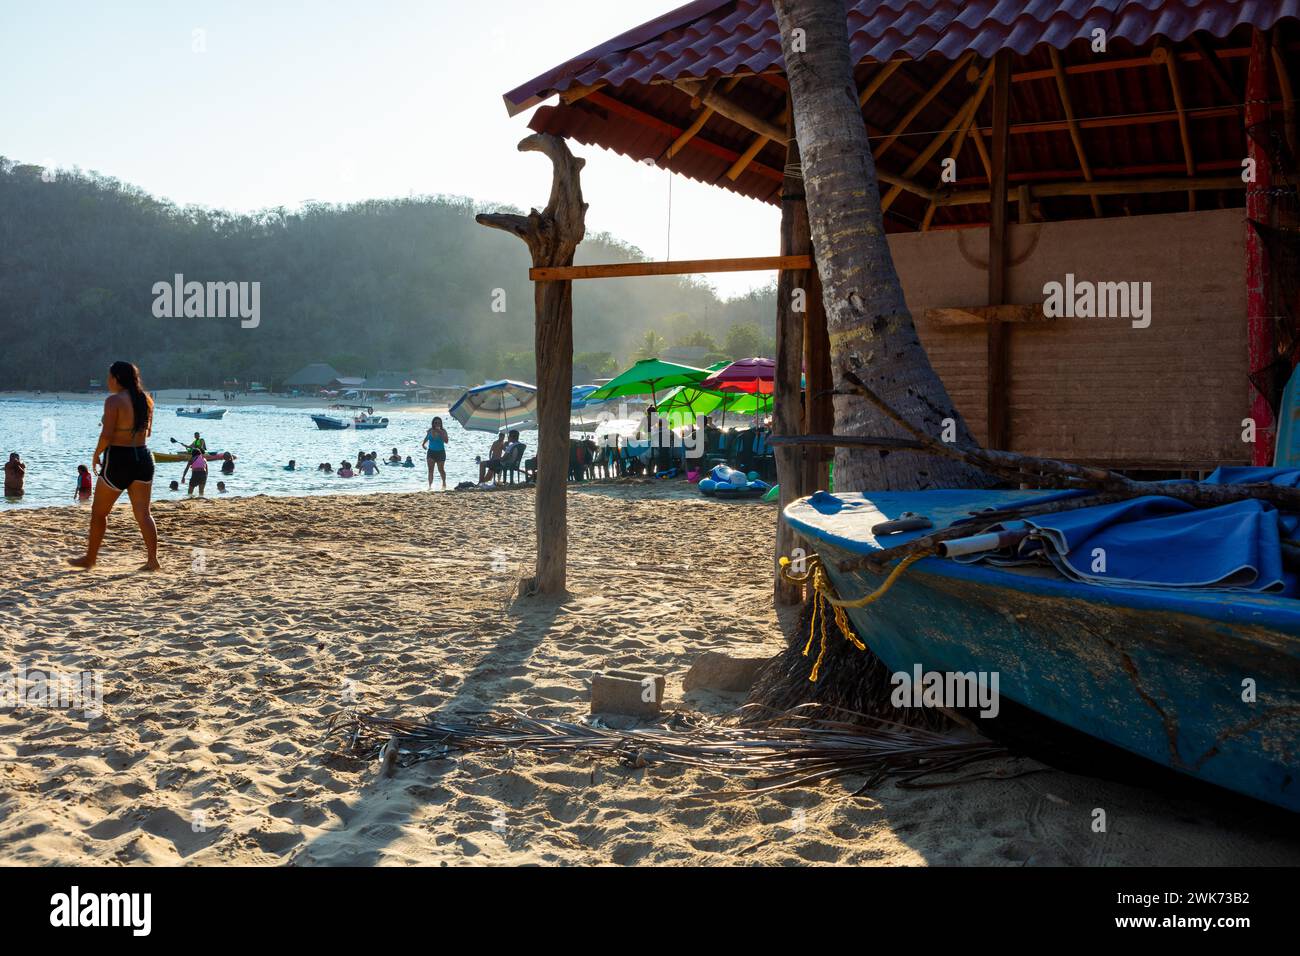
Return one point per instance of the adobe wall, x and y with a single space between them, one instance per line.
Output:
1100 389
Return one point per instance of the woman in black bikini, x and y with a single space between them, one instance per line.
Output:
127 465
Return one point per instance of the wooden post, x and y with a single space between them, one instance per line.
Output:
552 235
819 406
1259 322
999 426
793 289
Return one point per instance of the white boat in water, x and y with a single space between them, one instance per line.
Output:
212 414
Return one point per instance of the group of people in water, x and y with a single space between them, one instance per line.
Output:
367 464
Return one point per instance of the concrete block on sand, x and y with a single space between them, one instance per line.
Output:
723 672
627 692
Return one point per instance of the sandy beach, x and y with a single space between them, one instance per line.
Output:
220 673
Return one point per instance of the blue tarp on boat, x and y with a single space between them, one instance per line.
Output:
1162 542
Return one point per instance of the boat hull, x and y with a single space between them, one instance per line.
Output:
1160 674
325 423
207 416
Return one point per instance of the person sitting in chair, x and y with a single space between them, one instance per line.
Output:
512 456
493 464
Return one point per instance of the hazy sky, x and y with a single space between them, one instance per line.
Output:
337 101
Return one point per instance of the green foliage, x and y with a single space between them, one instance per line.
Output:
600 364
652 343
379 285
744 340
699 339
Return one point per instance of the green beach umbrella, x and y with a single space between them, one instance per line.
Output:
683 404
648 377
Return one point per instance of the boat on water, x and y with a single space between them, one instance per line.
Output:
212 414
360 423
1161 672
363 420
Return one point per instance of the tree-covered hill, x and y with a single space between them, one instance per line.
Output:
384 284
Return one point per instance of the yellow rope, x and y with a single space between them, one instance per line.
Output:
824 598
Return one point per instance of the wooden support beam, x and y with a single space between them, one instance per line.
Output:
787 413
1214 67
819 405
696 125
616 270
1142 62
1099 187
575 93
733 111
1075 136
754 148
1108 122
626 110
1165 54
998 350
956 66
1288 95
983 314
877 81
1260 341
962 121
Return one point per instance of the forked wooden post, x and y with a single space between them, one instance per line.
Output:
552 236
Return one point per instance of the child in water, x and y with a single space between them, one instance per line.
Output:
83 482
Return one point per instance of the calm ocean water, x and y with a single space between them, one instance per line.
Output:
53 437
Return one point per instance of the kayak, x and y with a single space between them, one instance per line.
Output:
181 456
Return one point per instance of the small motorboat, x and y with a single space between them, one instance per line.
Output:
212 414
1157 671
328 423
362 422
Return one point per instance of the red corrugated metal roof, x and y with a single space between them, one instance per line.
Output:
726 37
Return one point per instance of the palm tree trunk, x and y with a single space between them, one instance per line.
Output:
866 315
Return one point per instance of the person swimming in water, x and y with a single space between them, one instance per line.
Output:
126 463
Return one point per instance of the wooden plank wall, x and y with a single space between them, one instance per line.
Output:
1098 389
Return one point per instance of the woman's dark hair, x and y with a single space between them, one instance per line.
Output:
128 376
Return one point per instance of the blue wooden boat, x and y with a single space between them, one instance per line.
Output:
1157 672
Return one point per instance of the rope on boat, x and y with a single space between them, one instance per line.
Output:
825 601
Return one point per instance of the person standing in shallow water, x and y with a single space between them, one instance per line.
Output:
435 440
15 470
126 463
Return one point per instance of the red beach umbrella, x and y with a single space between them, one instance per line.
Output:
752 376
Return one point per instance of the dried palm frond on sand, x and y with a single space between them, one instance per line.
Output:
794 748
